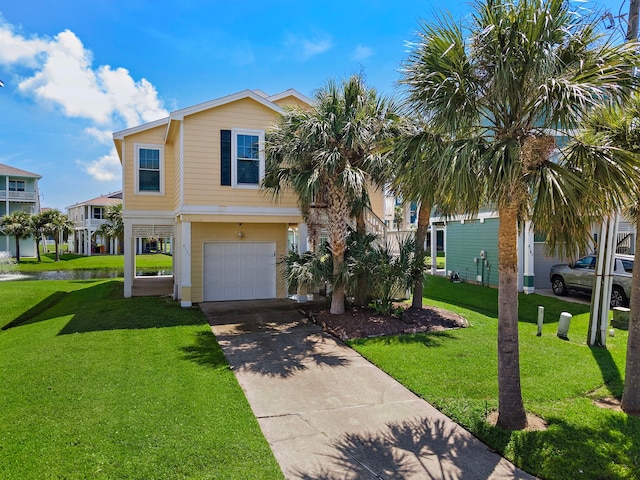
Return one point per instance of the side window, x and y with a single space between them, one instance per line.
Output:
149 169
627 265
247 157
586 262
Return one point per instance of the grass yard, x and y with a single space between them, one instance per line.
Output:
71 261
456 371
98 386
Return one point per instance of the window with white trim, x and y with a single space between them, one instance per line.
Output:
17 186
149 169
247 157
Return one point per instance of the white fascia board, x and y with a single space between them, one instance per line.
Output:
180 114
290 93
238 210
140 128
467 218
148 217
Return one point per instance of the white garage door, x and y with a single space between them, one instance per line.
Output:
239 271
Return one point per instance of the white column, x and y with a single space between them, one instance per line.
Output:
528 257
129 258
303 238
185 254
434 248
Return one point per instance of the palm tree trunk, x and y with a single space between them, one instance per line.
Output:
38 248
511 413
631 393
360 294
57 250
338 214
17 249
421 235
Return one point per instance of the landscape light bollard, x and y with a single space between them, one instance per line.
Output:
563 325
540 320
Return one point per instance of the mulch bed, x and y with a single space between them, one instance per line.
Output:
364 323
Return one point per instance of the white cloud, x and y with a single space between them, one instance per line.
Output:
361 52
305 48
60 72
107 168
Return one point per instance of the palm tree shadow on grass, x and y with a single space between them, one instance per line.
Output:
102 307
420 448
205 351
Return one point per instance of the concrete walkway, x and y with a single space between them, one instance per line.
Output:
330 414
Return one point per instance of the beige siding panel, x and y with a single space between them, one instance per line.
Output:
202 154
293 219
148 202
291 101
226 232
376 197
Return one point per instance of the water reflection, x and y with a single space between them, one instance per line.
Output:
78 274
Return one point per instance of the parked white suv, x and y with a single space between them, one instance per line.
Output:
579 276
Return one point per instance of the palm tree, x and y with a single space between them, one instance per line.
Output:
56 224
37 222
616 129
327 154
413 179
504 85
114 226
17 225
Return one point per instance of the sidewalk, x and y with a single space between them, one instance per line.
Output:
330 414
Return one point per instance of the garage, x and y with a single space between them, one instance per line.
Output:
239 271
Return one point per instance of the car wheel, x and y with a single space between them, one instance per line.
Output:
558 286
618 298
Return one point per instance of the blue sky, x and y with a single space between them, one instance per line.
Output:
77 70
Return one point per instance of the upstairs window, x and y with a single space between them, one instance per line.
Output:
16 186
149 174
245 157
98 213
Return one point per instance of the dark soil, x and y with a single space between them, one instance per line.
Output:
363 323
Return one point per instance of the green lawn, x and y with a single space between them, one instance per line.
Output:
456 371
70 261
98 386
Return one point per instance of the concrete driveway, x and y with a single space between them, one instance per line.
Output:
330 414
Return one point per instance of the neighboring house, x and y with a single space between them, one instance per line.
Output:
472 251
86 218
194 177
18 192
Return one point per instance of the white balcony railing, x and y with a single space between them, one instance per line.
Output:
11 195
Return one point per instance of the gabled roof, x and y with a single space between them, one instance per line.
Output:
102 200
16 172
256 95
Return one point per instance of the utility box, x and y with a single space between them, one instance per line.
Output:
620 318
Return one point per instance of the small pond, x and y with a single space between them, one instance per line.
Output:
77 274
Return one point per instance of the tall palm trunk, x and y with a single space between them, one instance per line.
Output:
17 249
424 214
360 294
631 394
511 413
338 213
57 249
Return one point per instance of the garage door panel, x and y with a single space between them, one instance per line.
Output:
239 271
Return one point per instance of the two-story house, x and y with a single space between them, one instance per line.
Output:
87 217
18 192
195 177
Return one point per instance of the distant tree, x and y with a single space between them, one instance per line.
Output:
114 226
37 222
17 225
56 224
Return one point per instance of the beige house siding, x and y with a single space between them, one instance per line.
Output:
133 201
228 232
291 101
202 148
